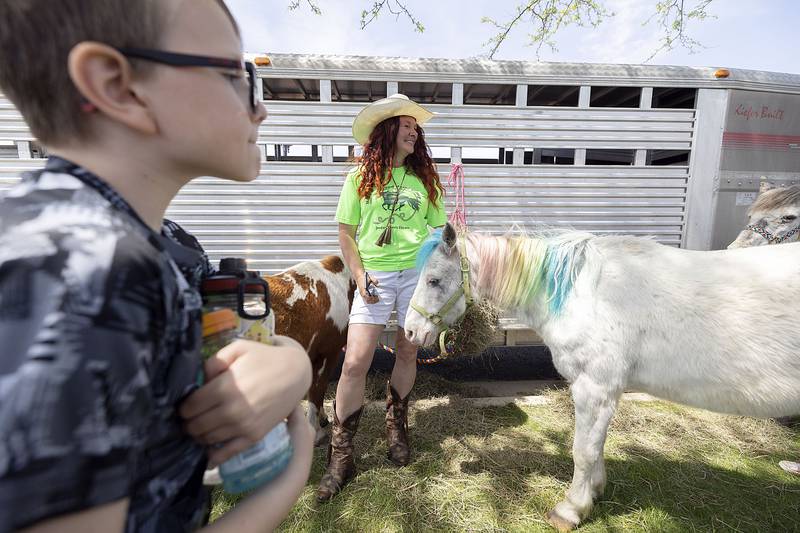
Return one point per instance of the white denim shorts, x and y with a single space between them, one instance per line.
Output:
394 292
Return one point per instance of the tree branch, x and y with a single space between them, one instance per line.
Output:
504 28
312 5
547 18
672 16
395 7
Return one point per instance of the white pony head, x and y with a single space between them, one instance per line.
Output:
440 282
773 218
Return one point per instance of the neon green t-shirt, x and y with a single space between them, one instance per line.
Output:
413 215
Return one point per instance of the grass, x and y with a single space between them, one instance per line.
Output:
670 469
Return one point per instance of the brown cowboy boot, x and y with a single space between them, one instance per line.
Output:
397 426
341 465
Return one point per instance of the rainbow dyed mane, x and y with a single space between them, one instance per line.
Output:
513 270
428 247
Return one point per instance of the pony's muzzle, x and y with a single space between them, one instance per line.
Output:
745 239
417 337
417 329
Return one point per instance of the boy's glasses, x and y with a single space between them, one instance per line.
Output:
185 60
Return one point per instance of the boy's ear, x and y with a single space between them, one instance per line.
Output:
104 78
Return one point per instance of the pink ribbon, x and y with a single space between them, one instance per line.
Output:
455 181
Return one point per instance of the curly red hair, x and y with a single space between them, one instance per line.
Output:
378 157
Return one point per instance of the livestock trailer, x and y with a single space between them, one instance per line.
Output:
671 152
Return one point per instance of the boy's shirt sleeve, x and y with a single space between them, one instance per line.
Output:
77 339
348 211
436 215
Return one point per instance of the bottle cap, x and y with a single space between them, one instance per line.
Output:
232 265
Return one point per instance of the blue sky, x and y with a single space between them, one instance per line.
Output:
756 34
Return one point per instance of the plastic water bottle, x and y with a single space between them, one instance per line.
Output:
236 305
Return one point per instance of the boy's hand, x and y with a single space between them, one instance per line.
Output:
249 388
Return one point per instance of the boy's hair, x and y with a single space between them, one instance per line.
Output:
36 37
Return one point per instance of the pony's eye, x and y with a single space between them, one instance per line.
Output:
789 218
433 282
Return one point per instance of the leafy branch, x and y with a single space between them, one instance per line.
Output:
312 5
395 7
672 16
547 17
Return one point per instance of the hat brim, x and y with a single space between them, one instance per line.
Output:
378 111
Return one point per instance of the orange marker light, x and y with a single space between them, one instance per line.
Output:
262 61
719 73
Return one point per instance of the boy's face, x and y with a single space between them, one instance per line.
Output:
205 123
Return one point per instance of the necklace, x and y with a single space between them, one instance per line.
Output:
402 181
386 236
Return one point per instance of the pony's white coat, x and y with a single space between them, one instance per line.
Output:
715 330
710 329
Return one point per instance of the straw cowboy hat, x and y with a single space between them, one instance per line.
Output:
396 105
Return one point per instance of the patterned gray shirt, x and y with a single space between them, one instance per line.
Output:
99 343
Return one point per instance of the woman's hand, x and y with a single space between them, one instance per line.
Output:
347 242
366 287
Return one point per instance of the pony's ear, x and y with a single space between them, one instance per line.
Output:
449 237
765 185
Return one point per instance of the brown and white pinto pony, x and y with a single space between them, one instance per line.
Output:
311 302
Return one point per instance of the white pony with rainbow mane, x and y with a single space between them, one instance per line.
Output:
716 330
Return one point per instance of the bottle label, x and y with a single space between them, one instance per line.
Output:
257 331
259 464
258 475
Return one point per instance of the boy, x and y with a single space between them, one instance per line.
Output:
101 428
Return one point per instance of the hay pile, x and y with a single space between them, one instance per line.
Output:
473 333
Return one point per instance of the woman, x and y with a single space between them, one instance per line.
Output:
391 200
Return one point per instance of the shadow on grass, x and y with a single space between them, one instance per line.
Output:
737 487
394 498
499 469
698 496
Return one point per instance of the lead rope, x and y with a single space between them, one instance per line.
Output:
420 360
455 182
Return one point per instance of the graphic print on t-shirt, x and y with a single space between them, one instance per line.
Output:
408 204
